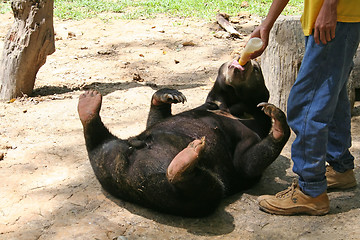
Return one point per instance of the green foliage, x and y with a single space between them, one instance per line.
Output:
81 9
261 7
5 7
132 9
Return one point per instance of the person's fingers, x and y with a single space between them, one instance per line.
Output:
317 36
333 32
328 35
256 54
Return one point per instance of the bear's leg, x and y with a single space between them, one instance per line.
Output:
161 104
199 189
184 161
256 159
104 149
94 130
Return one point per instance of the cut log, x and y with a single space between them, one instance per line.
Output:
354 79
27 44
282 58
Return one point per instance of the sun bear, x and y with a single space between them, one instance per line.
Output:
185 164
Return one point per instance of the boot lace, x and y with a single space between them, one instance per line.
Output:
289 191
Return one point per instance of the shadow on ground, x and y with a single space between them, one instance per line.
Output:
220 222
105 88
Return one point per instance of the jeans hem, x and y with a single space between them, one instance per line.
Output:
313 189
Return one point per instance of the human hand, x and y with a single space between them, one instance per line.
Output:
262 33
325 24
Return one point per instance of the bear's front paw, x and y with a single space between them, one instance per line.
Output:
167 96
280 127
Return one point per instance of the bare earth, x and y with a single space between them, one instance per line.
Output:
47 187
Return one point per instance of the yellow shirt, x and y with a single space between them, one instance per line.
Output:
347 11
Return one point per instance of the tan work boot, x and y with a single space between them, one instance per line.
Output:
293 201
339 180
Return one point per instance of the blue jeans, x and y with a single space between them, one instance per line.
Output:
318 109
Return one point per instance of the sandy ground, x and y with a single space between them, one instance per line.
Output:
47 187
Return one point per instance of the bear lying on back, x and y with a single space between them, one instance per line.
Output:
185 164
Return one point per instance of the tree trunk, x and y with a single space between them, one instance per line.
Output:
282 58
354 79
27 44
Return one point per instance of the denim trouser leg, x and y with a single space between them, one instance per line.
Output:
339 138
319 109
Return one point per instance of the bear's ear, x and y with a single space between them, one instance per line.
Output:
257 68
255 63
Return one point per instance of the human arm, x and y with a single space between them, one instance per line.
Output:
325 24
262 31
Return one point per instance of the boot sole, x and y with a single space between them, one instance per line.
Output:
297 211
346 186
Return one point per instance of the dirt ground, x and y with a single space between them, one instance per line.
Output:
47 187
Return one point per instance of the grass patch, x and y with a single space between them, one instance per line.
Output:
82 9
133 9
5 7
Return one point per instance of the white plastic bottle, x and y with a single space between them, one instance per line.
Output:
253 45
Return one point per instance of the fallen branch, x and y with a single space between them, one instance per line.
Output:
224 23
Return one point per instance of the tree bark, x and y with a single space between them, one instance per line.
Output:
354 79
282 58
27 44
